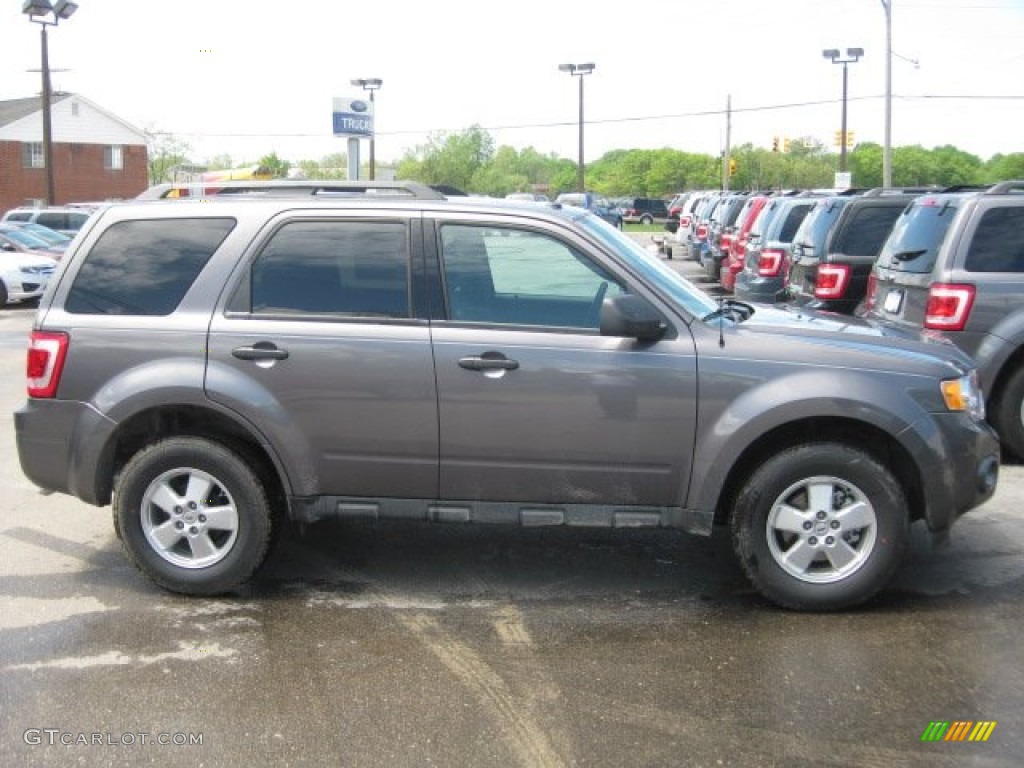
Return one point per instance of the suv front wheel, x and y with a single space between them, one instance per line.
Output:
820 526
192 515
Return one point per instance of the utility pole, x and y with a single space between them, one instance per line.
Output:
728 138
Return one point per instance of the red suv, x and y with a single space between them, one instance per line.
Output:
733 264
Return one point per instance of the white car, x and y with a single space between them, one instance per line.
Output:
23 276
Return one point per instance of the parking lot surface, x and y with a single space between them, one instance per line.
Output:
411 645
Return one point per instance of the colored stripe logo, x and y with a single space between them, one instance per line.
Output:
958 730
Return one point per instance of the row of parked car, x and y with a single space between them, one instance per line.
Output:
32 240
948 262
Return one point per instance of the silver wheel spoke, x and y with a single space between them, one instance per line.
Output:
202 547
800 556
789 519
165 499
221 518
166 535
856 516
198 488
819 496
841 554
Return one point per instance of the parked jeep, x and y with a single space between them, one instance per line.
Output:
954 265
212 367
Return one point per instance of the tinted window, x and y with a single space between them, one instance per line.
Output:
53 220
512 276
866 230
18 216
333 267
810 237
144 267
914 242
792 222
998 242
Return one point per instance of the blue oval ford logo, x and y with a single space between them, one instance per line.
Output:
360 106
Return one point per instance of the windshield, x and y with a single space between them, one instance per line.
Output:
914 242
674 285
23 238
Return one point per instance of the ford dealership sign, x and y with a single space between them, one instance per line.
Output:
353 117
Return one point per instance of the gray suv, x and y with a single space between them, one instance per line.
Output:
213 368
954 265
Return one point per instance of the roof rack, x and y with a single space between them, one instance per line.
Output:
1006 186
880 191
963 188
290 188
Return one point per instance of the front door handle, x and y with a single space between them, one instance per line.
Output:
488 361
260 351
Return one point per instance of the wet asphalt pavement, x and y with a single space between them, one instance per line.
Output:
419 645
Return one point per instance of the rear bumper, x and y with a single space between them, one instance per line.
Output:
61 447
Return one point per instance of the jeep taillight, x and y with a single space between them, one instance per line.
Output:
872 292
832 281
770 262
949 306
46 353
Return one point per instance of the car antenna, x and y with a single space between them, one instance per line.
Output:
721 312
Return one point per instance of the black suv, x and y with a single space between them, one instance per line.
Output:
645 210
834 250
954 265
213 367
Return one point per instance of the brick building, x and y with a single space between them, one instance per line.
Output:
96 155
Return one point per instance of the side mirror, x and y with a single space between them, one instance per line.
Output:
630 316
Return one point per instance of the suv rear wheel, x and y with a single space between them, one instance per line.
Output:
820 526
1008 414
192 515
647 219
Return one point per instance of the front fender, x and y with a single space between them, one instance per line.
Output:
867 397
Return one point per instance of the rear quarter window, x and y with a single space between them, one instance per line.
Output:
144 267
998 242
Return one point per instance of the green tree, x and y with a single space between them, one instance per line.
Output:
277 167
1003 168
449 158
165 152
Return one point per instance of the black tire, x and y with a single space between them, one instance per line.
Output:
1008 414
3 295
647 219
859 527
211 542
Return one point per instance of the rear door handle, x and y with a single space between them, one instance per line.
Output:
261 351
489 361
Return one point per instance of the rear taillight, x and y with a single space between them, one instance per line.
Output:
702 231
684 221
832 281
949 306
770 262
46 353
872 292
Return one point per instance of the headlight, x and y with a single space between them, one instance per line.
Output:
964 394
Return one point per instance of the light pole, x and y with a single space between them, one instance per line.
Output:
852 55
887 145
39 11
579 70
371 84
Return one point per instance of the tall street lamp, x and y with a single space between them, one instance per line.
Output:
40 12
852 55
371 84
579 70
887 145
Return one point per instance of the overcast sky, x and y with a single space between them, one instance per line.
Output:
248 78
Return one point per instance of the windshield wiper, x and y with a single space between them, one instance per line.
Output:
909 255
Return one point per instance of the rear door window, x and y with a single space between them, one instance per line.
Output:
145 267
792 222
350 268
998 242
